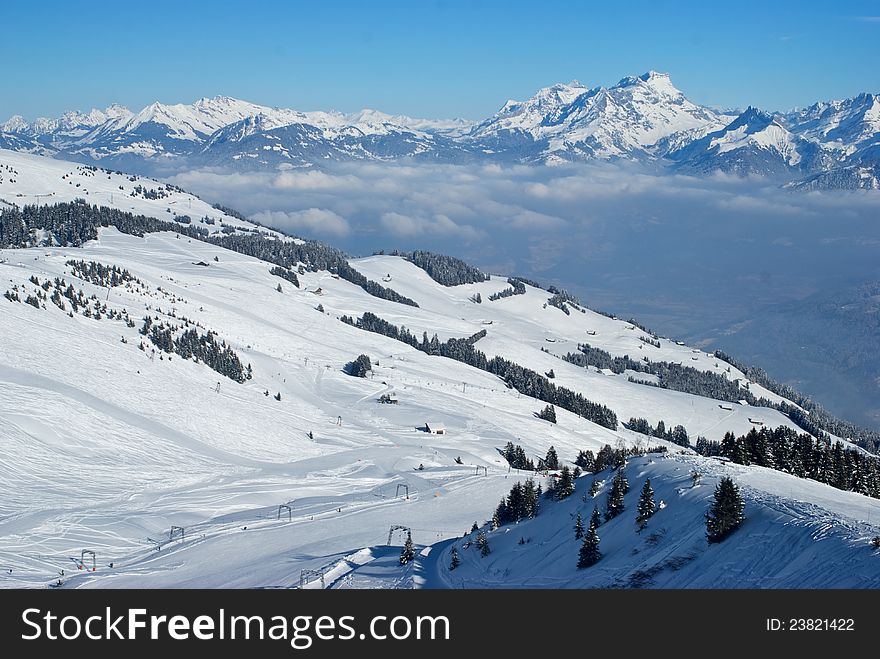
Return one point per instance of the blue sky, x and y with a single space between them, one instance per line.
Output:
439 58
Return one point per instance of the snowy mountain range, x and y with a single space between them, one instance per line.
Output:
644 118
204 402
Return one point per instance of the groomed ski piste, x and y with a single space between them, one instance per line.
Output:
181 477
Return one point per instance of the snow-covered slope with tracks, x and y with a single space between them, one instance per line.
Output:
107 445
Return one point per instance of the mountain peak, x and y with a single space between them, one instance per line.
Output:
754 118
208 101
652 75
659 82
15 123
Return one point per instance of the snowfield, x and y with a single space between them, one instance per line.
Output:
108 446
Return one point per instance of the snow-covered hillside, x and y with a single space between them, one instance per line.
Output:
181 469
796 532
27 179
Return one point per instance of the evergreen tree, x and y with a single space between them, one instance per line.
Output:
595 519
454 560
408 553
728 445
551 460
483 544
614 505
548 414
660 432
589 553
726 512
680 436
594 487
578 527
604 458
620 477
646 507
360 366
586 460
564 487
531 497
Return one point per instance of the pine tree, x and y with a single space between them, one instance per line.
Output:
578 527
620 477
483 544
595 519
661 430
454 560
586 460
564 487
726 512
680 436
548 414
551 461
594 487
408 552
589 553
614 505
728 445
646 507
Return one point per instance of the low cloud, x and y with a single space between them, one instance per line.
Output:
318 221
620 232
398 224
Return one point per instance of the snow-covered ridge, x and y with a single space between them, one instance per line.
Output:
27 179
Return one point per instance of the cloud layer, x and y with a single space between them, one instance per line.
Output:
571 224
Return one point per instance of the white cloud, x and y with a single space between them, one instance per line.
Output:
318 221
399 224
566 224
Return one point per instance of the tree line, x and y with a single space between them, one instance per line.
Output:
197 346
523 380
73 224
445 270
801 455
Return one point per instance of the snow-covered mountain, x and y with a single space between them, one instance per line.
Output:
849 127
70 125
643 118
572 122
225 130
304 139
754 143
179 397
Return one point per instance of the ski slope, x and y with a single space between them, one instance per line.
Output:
107 446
